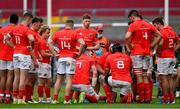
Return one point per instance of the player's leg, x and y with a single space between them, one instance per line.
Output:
41 85
16 85
25 62
3 76
68 87
22 85
91 95
107 88
172 80
61 64
9 85
147 63
137 62
163 76
48 89
57 86
178 83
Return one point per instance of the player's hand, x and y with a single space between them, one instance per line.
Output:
77 54
55 55
29 48
36 64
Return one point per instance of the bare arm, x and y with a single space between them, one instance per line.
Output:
94 76
157 39
31 40
96 47
51 48
99 69
45 54
82 46
8 40
128 39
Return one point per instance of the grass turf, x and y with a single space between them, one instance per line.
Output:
101 105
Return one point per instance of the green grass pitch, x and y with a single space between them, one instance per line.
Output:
100 105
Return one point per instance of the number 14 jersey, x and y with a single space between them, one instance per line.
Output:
66 40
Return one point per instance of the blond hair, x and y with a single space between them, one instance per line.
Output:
43 29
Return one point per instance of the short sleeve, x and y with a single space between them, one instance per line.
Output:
54 37
131 28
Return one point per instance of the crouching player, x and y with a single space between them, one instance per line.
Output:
44 70
82 79
120 65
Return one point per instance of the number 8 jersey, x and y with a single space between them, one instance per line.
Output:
66 40
120 66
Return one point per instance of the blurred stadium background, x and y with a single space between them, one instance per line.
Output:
111 13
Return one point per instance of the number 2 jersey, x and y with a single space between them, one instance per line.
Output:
6 52
66 40
120 66
141 37
169 39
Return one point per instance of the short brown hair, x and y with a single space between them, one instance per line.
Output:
43 29
86 16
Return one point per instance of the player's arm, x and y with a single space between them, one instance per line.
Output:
128 39
177 45
45 54
94 76
100 69
32 41
51 48
157 39
8 40
107 66
96 47
82 46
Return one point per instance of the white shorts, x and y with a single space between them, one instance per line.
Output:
44 70
150 69
6 65
141 62
119 86
165 66
33 69
21 61
85 88
66 66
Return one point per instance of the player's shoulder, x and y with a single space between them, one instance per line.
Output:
78 29
92 30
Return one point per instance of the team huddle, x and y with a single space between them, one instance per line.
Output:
85 61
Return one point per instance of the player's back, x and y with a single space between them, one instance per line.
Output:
82 73
6 50
21 40
66 40
120 65
169 39
142 34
